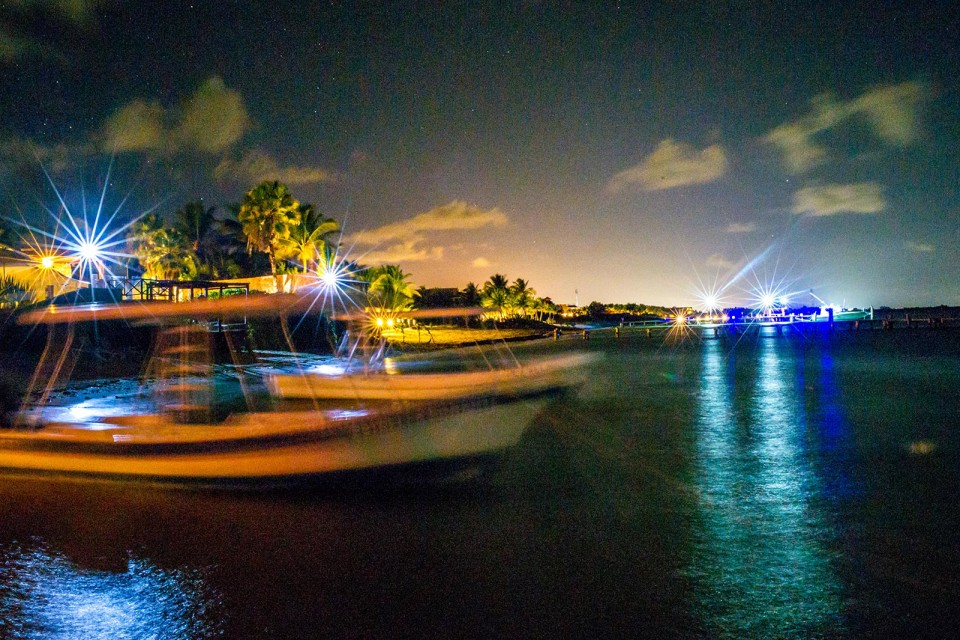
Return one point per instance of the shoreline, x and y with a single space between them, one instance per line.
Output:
446 337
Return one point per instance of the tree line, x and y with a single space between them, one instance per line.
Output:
503 300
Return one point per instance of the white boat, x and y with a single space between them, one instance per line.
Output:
532 378
448 427
274 448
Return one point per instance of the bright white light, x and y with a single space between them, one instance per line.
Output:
335 284
88 236
332 276
768 300
710 298
783 301
89 251
327 370
329 278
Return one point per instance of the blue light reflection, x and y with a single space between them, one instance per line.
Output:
831 428
44 595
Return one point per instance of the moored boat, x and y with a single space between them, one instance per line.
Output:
454 422
531 378
270 448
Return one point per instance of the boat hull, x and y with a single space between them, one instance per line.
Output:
276 448
566 370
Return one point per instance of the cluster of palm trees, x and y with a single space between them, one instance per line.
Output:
388 289
505 300
269 224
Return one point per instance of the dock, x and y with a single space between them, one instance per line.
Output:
781 324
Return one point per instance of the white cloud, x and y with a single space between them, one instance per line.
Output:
410 251
214 117
920 247
70 13
480 262
830 199
800 153
79 12
455 215
741 227
406 240
19 152
136 126
671 165
890 110
256 166
13 46
212 120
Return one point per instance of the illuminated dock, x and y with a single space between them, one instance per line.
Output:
845 320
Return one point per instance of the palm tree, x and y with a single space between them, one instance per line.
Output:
267 214
227 247
522 295
389 289
164 253
141 236
196 223
496 294
308 238
170 258
7 237
12 293
543 306
469 296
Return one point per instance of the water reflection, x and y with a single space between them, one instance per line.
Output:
760 561
831 433
44 595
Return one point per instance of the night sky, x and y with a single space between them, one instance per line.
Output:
610 151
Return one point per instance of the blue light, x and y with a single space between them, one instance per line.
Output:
47 596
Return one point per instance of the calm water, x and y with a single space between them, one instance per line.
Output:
772 488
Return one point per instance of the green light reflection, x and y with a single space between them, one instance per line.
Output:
760 566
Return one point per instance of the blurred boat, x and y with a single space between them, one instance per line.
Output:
277 448
519 381
446 423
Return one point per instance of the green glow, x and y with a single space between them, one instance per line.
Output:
760 565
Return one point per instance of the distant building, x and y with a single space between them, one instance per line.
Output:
438 298
570 311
